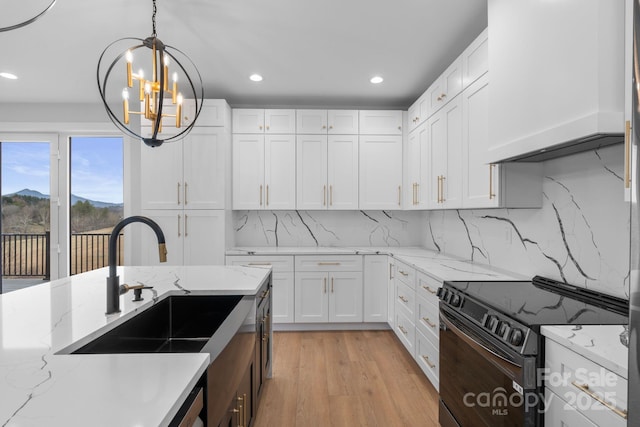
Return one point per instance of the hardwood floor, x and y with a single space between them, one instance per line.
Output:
345 378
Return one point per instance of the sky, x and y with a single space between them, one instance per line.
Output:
96 167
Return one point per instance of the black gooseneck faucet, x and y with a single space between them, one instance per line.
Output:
114 290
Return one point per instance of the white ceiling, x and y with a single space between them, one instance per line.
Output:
310 52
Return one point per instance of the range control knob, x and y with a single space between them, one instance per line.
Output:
440 293
455 300
491 322
516 337
502 330
446 296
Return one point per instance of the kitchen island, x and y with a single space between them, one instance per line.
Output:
43 385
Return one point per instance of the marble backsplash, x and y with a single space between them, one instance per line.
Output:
580 235
328 228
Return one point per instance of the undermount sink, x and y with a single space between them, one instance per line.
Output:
177 324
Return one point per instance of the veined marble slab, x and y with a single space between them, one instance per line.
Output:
42 388
598 343
436 264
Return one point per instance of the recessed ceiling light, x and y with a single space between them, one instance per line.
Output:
376 80
8 76
255 77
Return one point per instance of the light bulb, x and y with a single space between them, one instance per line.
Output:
179 99
129 56
166 60
125 93
175 77
141 73
147 87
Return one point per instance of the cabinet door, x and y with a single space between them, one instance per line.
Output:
311 297
437 128
413 115
345 297
248 172
475 59
452 181
204 169
161 176
452 81
280 121
311 122
311 170
280 172
282 298
342 171
380 172
413 174
375 288
479 180
171 224
391 293
343 122
380 122
248 120
203 236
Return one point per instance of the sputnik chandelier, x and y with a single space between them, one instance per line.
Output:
147 104
28 21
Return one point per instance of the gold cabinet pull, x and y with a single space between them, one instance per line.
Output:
324 196
417 193
185 193
328 263
390 271
405 274
585 388
179 226
438 198
267 127
491 193
429 322
178 192
186 220
331 195
260 263
399 195
332 285
404 331
627 154
241 412
325 285
442 178
403 298
267 194
261 195
428 289
428 362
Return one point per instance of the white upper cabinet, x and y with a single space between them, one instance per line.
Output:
332 122
280 121
417 190
248 120
557 73
327 172
380 172
186 174
264 171
510 185
342 122
252 120
445 153
475 59
446 87
419 112
311 122
380 122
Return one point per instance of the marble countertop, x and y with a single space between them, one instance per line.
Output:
40 385
436 264
598 343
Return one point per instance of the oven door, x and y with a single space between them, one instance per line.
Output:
481 382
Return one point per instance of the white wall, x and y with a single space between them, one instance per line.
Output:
581 234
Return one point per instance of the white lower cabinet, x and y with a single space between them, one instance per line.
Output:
375 288
405 330
282 291
391 293
559 413
428 358
328 297
192 237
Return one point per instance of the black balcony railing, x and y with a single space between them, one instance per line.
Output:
27 254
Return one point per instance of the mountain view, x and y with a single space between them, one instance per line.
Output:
74 198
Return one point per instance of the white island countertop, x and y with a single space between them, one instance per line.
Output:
40 387
436 264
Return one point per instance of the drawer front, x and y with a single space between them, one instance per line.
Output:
406 299
560 414
428 320
278 263
406 331
328 263
406 274
428 358
427 287
582 383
